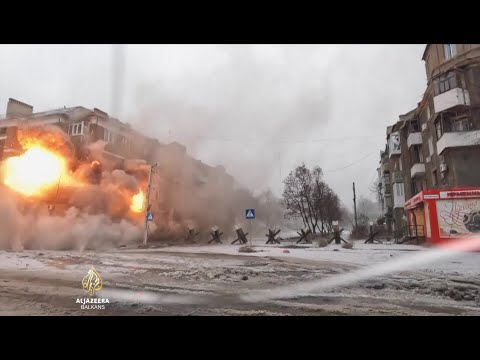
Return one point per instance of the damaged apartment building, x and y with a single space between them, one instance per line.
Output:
183 188
435 147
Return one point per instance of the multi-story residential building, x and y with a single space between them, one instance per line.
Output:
450 115
182 187
439 141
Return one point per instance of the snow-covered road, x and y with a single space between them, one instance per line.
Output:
214 279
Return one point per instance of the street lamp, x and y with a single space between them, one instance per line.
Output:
147 208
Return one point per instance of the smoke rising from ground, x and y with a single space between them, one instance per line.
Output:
89 206
76 229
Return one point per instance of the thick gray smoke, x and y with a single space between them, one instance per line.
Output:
226 102
76 229
94 212
260 110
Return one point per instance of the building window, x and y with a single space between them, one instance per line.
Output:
125 142
3 131
417 154
438 129
399 189
415 126
428 112
434 178
75 129
450 50
459 124
445 82
450 123
416 187
108 136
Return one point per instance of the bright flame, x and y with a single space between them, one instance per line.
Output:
137 202
35 171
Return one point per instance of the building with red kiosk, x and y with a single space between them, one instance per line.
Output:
429 173
441 215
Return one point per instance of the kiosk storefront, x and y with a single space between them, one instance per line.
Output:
441 215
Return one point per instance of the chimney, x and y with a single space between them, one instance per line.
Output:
15 107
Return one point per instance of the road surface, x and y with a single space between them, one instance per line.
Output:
209 280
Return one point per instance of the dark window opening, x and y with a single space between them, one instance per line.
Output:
452 122
417 154
415 126
445 82
416 187
3 131
434 178
438 129
462 124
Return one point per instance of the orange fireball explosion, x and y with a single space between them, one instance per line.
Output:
35 171
137 202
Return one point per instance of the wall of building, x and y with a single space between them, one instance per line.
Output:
464 165
182 187
15 107
462 159
435 61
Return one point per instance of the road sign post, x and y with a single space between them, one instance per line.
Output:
147 207
149 216
250 215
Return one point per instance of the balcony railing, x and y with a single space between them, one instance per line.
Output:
417 169
458 139
398 201
450 99
414 139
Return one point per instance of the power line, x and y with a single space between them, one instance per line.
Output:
349 165
280 141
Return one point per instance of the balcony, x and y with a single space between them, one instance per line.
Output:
388 190
450 99
397 177
414 139
458 139
398 201
418 169
398 195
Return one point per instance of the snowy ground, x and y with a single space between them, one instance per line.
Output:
214 279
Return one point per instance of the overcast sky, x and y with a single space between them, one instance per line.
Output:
258 110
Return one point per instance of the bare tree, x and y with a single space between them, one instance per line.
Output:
306 195
297 195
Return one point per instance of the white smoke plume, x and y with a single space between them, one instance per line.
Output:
76 230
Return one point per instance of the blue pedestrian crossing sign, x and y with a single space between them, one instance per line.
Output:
250 214
149 216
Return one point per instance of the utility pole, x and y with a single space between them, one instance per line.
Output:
355 205
147 208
